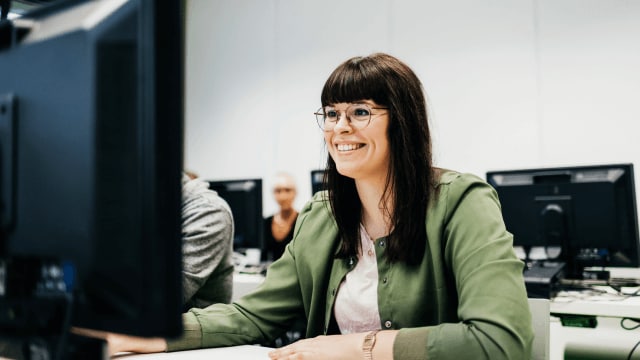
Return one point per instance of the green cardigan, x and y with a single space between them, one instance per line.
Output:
466 300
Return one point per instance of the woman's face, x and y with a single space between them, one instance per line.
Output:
360 153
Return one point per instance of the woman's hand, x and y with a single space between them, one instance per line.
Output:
124 343
322 347
337 347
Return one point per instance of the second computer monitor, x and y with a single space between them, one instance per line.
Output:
587 213
244 196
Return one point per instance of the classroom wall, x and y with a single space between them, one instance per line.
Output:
510 83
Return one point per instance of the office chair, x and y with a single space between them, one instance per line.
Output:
540 316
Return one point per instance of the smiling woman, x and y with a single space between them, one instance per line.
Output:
394 153
395 260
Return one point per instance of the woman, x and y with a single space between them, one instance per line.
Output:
398 260
278 228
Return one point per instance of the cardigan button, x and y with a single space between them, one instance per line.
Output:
388 324
381 243
384 280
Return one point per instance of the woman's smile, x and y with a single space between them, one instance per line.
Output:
348 147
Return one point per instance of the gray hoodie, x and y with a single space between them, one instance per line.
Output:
207 248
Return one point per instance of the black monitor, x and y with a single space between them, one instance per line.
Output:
244 196
317 181
583 215
91 109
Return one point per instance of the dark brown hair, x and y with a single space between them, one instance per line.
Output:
390 83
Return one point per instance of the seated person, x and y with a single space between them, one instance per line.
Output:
398 259
278 228
207 246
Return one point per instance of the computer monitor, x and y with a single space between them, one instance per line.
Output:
317 181
91 109
582 215
244 196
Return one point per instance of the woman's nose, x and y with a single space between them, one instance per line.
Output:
343 124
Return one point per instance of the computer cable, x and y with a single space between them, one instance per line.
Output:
636 326
632 350
618 283
637 321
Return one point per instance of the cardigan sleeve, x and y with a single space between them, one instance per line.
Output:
493 311
256 318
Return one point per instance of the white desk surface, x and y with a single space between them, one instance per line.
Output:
244 352
605 305
606 341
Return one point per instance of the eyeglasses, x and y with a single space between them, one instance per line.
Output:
358 115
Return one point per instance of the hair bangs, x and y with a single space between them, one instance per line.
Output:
354 81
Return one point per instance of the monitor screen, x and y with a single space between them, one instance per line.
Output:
244 196
584 216
91 107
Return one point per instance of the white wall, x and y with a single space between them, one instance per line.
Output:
511 83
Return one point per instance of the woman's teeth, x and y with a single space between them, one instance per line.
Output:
348 147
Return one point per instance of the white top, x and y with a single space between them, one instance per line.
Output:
356 307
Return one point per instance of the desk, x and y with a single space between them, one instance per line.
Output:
243 352
601 305
608 340
615 344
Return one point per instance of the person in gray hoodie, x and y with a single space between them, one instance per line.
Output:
207 245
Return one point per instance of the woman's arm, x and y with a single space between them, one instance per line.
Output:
125 343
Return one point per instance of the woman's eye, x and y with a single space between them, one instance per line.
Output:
361 112
331 114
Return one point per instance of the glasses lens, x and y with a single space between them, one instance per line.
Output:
330 115
327 118
360 114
